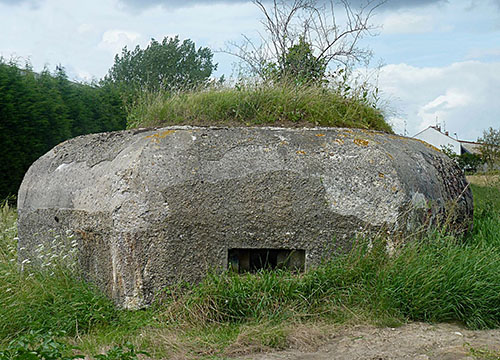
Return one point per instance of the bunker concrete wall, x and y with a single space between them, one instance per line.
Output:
150 208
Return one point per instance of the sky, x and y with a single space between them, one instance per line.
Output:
434 61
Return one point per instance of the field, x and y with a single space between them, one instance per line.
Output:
437 279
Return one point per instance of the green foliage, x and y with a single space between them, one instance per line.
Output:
484 353
169 65
119 353
52 299
490 148
38 111
247 105
34 345
299 65
469 163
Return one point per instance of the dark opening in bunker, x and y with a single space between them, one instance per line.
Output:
252 260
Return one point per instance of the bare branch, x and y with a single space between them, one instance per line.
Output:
314 21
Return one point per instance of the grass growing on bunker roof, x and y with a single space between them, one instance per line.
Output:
440 278
256 105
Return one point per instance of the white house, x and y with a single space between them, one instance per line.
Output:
438 139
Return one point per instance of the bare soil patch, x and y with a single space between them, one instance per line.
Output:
411 341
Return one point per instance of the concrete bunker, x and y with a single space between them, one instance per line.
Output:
152 207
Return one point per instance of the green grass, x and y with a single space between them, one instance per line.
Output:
54 299
255 105
438 279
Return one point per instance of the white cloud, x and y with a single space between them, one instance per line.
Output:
462 95
115 40
85 28
452 99
407 23
482 53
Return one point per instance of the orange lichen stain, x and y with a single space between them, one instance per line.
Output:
428 145
349 131
301 152
360 142
320 135
339 141
158 136
283 142
381 175
394 189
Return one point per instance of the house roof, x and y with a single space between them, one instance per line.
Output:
467 146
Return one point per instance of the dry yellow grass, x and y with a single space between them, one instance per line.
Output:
484 180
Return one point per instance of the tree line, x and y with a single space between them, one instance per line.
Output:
40 110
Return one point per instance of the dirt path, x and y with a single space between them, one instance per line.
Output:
411 341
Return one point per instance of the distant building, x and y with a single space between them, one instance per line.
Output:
438 139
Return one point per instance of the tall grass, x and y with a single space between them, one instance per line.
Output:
439 278
53 299
253 105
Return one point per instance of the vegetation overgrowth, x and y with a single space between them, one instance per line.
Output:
274 104
438 278
40 110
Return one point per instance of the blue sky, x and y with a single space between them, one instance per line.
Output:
440 59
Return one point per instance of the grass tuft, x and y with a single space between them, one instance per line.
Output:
256 105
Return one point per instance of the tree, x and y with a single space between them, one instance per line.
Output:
302 37
299 65
169 65
38 111
490 147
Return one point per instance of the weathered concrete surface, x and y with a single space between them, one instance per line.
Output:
154 207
